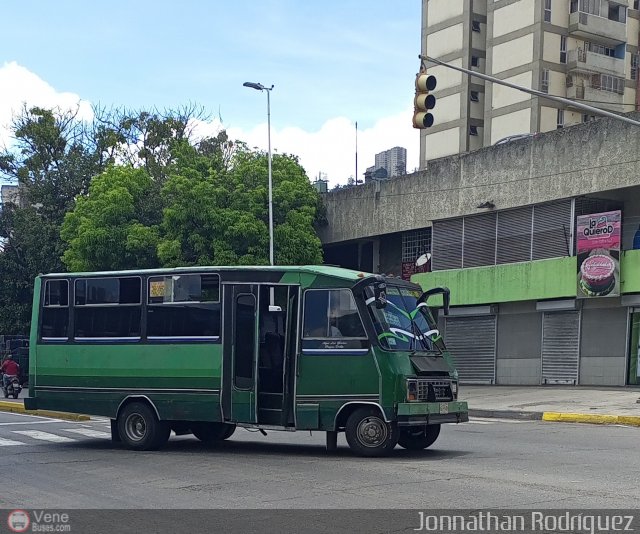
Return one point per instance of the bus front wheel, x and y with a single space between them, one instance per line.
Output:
212 432
140 429
368 434
418 438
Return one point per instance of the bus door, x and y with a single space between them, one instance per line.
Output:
277 340
240 339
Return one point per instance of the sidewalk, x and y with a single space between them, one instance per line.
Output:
577 404
555 403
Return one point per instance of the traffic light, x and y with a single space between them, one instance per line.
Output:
424 101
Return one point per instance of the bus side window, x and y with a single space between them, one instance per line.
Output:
331 313
55 310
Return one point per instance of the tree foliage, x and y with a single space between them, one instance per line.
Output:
136 190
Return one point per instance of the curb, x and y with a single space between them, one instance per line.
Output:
18 407
507 414
631 420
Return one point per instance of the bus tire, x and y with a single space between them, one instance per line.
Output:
140 429
212 432
368 434
418 437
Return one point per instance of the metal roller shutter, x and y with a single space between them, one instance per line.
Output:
552 230
514 235
479 240
472 342
447 245
560 347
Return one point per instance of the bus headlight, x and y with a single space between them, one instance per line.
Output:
412 390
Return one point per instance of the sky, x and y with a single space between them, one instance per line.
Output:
332 63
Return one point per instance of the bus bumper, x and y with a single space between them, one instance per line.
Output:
431 413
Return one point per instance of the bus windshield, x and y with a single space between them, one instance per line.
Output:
404 325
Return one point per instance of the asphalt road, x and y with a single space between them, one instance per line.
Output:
49 463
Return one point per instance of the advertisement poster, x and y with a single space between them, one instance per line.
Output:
598 250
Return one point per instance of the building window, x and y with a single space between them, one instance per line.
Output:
475 25
587 118
600 49
547 10
560 119
415 243
475 61
473 130
563 49
589 6
617 13
636 4
475 96
635 61
605 82
544 82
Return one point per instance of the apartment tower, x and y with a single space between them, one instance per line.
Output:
585 50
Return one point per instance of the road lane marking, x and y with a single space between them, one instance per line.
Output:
88 432
9 442
43 436
34 422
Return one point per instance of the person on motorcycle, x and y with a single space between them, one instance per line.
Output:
9 369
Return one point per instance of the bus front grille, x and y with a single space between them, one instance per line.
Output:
434 390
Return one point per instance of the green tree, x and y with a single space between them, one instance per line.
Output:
221 217
115 226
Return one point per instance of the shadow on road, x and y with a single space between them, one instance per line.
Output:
185 445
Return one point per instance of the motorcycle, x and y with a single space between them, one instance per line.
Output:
13 388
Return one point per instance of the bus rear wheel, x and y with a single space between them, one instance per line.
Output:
212 432
368 434
140 429
418 438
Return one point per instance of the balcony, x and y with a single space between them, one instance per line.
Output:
601 29
585 61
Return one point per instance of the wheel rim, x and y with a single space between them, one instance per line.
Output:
372 432
135 427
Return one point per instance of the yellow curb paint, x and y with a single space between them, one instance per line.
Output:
17 407
632 420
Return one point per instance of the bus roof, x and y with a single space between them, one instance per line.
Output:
325 270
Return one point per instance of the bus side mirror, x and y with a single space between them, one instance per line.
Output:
446 297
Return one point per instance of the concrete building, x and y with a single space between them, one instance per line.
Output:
502 225
394 161
580 49
9 194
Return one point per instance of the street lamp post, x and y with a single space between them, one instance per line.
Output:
260 87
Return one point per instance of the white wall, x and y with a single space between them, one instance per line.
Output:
505 96
551 50
443 143
513 54
510 124
549 118
447 109
513 17
447 77
445 41
560 12
441 10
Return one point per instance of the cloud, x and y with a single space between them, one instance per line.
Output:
330 150
21 86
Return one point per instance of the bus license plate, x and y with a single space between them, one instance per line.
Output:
444 407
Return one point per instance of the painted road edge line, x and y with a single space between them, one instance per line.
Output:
17 407
631 420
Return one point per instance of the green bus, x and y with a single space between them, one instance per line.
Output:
204 350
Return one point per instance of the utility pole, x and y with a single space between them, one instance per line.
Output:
562 100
